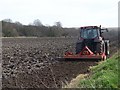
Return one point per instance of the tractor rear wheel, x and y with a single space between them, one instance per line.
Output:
100 47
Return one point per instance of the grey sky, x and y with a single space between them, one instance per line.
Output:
71 13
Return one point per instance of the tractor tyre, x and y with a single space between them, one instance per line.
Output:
78 47
107 52
100 47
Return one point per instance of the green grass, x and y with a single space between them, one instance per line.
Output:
104 75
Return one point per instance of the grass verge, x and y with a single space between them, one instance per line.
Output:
104 75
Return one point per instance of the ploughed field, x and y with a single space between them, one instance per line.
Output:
32 63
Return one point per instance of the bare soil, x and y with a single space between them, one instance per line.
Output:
32 63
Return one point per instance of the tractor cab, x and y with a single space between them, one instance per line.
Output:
90 32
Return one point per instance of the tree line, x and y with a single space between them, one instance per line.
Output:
36 29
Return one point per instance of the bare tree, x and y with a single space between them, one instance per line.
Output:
58 24
37 22
18 23
7 20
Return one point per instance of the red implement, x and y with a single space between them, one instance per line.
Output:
86 53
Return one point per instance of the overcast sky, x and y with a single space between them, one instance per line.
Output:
71 13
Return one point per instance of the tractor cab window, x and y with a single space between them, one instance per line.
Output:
89 33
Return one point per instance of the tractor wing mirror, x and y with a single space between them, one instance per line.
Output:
104 29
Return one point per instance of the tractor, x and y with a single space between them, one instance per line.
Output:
91 44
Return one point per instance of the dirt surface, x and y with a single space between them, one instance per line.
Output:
32 63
